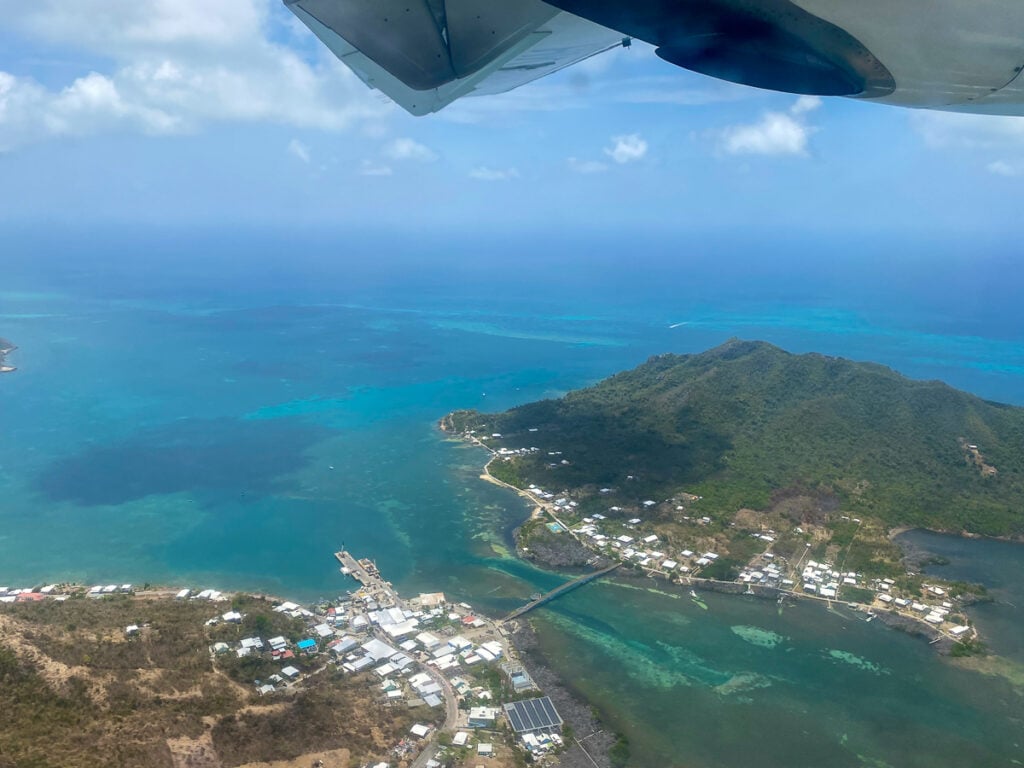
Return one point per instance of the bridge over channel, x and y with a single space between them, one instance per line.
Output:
579 581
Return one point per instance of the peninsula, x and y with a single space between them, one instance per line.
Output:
750 469
6 347
111 675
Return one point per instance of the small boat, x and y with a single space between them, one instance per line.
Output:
870 617
693 594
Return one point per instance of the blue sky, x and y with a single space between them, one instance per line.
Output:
187 113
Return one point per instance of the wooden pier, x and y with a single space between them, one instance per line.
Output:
558 591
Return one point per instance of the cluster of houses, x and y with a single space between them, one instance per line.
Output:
935 615
363 636
642 550
510 452
817 578
279 648
547 496
765 573
56 592
401 668
824 580
30 595
60 593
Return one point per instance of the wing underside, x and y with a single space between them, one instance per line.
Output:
426 55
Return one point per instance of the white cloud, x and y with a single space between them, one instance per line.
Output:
177 65
298 150
1003 168
409 149
805 104
626 149
483 173
370 168
950 129
29 112
587 166
118 26
776 133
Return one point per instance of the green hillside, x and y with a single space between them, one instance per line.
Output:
746 421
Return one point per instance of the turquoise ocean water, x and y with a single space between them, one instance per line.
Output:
215 412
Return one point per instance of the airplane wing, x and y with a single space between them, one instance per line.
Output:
955 55
424 55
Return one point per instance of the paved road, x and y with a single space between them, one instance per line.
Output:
451 700
451 716
428 752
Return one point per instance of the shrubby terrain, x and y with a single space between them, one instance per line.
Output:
77 692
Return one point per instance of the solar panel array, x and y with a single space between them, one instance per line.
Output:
532 715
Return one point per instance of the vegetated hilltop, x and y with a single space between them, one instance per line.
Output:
745 422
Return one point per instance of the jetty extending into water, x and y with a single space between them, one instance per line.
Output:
559 591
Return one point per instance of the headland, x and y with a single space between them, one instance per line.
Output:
6 348
200 677
747 469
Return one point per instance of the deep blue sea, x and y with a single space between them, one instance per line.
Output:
226 410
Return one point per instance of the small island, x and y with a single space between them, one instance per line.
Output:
6 348
748 469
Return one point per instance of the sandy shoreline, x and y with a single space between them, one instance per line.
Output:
535 513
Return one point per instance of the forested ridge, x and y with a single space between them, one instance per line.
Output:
747 420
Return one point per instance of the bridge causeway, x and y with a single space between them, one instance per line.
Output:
579 581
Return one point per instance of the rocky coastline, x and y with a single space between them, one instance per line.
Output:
591 743
6 347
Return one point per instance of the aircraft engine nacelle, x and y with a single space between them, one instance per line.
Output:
957 55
